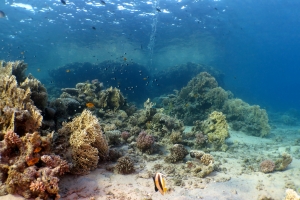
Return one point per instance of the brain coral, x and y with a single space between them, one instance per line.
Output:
87 142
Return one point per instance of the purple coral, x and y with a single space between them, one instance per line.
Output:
144 141
267 166
201 139
125 135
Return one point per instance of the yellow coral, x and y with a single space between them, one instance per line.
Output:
17 110
87 142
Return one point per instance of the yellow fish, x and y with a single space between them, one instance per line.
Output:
160 183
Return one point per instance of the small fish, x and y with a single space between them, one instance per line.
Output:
38 149
145 78
158 10
93 27
2 14
124 58
160 183
38 69
90 105
67 70
102 2
63 2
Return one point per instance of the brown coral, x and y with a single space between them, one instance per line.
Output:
124 165
88 144
207 159
145 142
178 153
267 166
18 112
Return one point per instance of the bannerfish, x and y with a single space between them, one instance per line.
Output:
2 14
159 183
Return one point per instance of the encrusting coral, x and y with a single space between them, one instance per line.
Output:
87 142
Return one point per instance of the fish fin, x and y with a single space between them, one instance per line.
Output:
155 188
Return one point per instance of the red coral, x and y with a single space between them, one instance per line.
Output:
60 166
12 138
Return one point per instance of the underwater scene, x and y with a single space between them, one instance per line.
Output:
149 100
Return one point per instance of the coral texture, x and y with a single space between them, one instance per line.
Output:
207 159
124 165
283 162
178 153
38 92
145 142
291 195
16 68
18 111
88 144
267 166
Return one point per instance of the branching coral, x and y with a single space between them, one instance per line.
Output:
17 110
88 144
38 92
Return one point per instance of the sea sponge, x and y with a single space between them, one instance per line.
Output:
124 165
178 153
18 112
88 144
216 129
145 142
207 159
267 166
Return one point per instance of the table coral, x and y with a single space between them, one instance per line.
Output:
88 144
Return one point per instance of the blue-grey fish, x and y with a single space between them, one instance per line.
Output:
103 2
2 14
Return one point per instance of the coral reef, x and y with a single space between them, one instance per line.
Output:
88 145
267 166
28 168
216 130
178 153
16 68
145 142
202 96
250 119
124 165
18 112
38 92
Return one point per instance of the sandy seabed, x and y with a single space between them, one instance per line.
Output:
234 181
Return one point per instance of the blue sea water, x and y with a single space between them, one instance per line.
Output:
254 43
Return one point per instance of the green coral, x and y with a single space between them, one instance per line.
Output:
216 129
